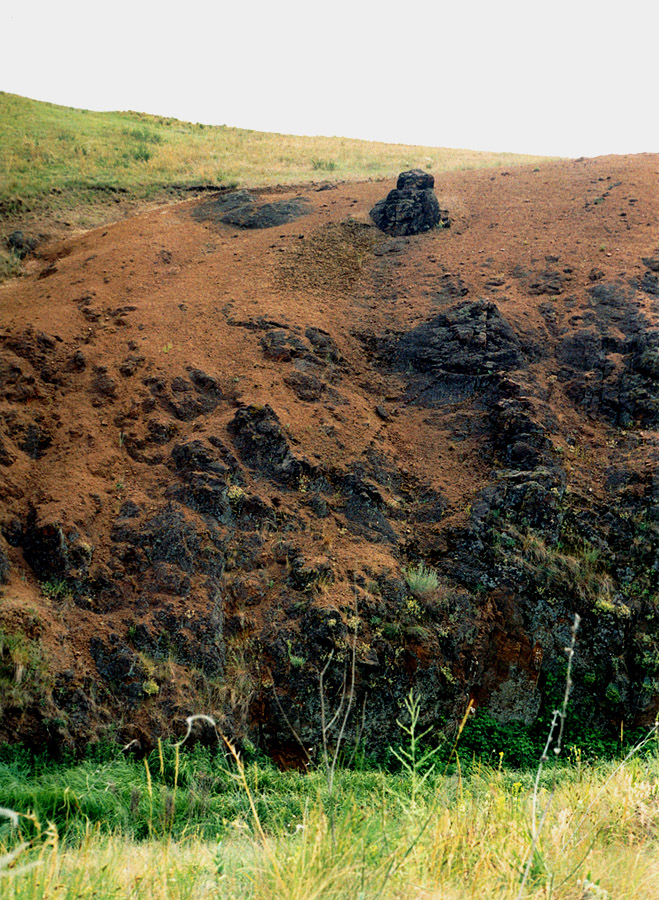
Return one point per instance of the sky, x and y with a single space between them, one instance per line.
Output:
560 78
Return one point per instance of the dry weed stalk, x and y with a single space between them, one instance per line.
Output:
342 714
558 718
241 778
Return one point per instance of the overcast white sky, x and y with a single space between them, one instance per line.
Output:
542 76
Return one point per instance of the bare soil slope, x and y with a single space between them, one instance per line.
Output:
221 447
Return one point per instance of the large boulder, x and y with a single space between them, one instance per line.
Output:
412 207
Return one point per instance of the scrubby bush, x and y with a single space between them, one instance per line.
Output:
421 579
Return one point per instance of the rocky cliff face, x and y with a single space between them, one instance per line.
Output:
227 453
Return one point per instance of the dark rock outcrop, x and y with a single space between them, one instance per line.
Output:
206 478
412 207
120 666
241 209
5 565
547 282
188 399
52 551
471 338
21 245
456 353
611 368
652 262
281 346
168 537
267 215
262 443
650 283
307 387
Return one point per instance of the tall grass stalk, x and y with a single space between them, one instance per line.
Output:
341 715
558 720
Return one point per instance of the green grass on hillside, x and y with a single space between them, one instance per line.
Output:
44 147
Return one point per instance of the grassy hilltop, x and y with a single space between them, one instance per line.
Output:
45 147
63 168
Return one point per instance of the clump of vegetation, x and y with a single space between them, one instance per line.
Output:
328 165
578 574
144 135
296 661
23 673
421 579
10 264
56 589
235 496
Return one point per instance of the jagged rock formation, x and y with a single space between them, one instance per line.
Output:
412 207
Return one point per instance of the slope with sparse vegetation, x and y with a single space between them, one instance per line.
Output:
349 496
63 168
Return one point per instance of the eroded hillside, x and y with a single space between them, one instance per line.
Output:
223 445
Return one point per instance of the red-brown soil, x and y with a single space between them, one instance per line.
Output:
86 428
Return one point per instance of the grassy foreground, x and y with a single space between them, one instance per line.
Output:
200 826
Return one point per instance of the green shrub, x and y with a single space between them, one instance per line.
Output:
612 694
56 589
143 135
10 264
328 165
421 579
141 154
23 671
